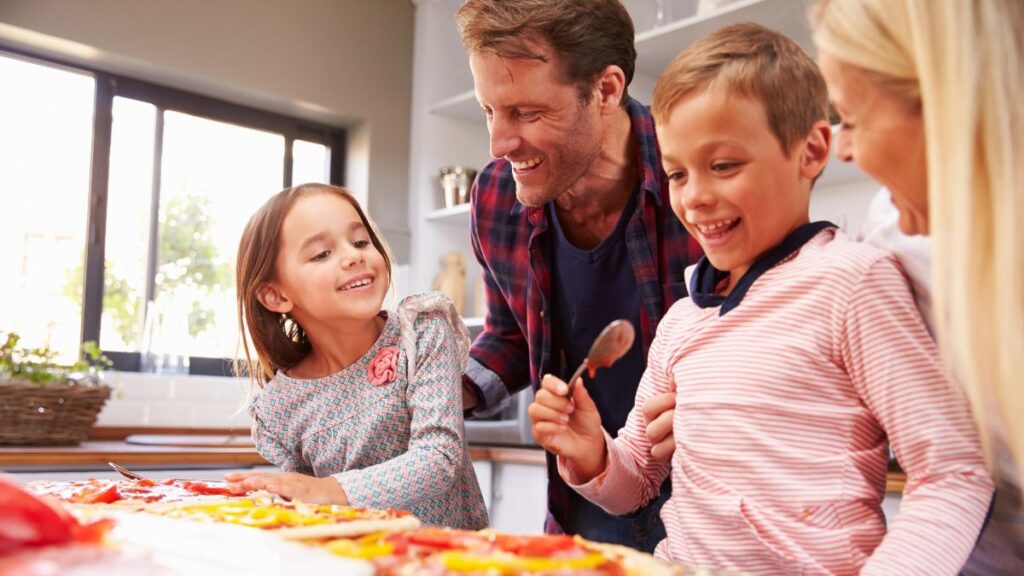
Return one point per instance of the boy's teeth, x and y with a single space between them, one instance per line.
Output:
716 226
526 164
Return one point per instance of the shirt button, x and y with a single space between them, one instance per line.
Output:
541 313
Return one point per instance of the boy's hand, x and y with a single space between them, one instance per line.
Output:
289 485
659 411
570 428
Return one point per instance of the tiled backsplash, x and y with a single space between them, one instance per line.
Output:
176 401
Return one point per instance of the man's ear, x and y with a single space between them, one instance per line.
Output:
611 85
816 150
273 299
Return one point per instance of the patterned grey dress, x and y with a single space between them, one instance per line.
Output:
392 440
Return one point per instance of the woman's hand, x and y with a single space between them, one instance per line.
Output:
289 485
569 427
659 411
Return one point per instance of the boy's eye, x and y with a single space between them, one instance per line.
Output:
724 166
676 175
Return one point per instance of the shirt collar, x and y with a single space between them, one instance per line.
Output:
706 277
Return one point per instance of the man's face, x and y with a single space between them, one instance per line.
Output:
537 123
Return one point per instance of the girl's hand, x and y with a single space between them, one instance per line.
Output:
569 427
289 485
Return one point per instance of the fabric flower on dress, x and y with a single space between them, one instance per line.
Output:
383 368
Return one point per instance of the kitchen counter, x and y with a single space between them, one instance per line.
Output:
96 453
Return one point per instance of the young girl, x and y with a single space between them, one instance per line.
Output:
359 406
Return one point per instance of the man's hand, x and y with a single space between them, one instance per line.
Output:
659 411
289 485
569 427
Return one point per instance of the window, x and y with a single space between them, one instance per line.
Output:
154 187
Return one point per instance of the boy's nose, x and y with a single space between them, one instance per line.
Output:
697 194
504 140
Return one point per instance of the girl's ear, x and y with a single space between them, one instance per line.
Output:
273 299
816 150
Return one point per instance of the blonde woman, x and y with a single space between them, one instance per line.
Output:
929 93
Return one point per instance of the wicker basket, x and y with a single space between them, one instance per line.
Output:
55 415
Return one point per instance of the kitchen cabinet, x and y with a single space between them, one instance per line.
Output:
448 127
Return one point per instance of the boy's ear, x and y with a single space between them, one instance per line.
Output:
611 85
273 299
816 150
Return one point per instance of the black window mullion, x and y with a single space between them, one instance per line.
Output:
92 285
152 261
337 151
289 143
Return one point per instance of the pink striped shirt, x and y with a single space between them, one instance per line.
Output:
785 408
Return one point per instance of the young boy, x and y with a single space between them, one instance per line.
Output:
798 358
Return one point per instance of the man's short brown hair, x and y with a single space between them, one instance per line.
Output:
753 61
586 36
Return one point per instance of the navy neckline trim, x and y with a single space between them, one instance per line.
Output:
706 277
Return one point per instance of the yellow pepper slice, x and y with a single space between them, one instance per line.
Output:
354 549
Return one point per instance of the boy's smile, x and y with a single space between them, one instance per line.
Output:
731 183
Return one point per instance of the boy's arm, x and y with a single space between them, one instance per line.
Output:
896 368
632 476
431 465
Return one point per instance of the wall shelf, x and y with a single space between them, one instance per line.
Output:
656 48
462 106
454 215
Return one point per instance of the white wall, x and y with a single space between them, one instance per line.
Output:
342 62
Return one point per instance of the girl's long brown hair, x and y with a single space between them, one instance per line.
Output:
279 342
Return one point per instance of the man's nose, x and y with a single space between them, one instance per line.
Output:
504 139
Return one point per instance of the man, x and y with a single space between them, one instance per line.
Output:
571 222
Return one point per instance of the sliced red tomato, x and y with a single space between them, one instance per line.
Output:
445 539
547 545
28 520
92 532
206 488
98 493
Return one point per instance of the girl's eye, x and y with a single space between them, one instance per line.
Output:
845 126
321 255
361 243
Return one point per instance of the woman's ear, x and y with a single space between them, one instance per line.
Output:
273 299
816 150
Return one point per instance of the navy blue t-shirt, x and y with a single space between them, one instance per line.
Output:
592 288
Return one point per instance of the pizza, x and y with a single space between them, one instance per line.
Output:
133 494
294 520
449 552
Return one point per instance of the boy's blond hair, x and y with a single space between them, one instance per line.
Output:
752 61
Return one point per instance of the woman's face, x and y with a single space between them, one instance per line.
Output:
884 135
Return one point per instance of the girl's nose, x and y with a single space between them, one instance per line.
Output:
353 257
844 149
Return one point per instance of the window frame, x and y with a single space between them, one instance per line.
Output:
165 98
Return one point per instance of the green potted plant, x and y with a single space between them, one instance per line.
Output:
44 402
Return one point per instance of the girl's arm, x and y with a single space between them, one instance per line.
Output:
896 368
268 443
436 448
632 476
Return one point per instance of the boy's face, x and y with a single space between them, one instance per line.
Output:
730 182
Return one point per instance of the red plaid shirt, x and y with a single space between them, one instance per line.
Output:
512 243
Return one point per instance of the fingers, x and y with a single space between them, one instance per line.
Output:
659 404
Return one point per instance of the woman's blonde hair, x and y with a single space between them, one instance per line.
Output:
277 340
963 63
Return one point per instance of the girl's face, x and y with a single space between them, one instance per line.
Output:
884 135
327 270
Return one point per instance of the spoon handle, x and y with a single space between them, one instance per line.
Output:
575 376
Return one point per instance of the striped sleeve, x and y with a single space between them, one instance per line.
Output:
896 369
632 476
